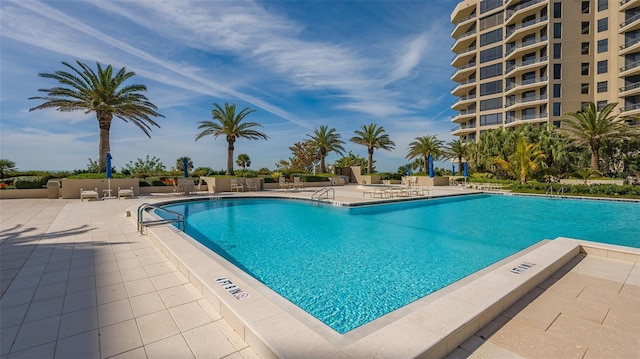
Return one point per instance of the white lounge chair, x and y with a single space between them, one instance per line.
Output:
283 184
88 194
125 192
251 184
235 184
297 183
185 186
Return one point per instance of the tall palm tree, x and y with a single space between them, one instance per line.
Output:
425 146
457 150
230 125
373 137
104 93
325 140
591 128
526 158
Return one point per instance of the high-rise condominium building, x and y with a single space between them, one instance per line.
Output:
523 62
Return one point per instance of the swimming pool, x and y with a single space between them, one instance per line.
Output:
349 266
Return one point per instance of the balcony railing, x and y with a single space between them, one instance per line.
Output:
471 64
472 48
463 127
468 33
526 82
522 6
630 66
525 24
629 43
526 43
525 63
538 116
462 113
466 82
630 20
525 100
632 107
630 87
464 98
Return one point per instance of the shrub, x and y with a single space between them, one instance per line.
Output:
30 182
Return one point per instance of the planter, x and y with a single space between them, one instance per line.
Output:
24 193
71 187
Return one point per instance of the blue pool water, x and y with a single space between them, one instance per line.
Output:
349 266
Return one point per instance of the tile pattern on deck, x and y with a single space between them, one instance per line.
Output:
78 281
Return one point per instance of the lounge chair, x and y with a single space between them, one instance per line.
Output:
235 184
125 192
89 194
185 186
251 183
283 184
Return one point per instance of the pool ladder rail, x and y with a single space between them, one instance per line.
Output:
559 193
317 195
179 218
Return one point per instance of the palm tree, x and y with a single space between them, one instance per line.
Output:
526 158
326 140
230 125
585 174
590 127
457 150
103 93
373 137
243 161
5 166
425 146
180 164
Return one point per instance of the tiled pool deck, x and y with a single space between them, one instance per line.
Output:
78 281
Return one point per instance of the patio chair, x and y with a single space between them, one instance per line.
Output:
251 184
283 184
297 183
235 184
185 186
88 194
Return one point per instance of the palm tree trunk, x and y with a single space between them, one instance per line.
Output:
104 122
370 164
230 149
595 160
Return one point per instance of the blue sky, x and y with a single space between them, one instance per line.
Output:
298 64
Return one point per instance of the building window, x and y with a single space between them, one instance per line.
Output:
603 46
491 37
557 10
603 5
557 71
488 5
585 7
602 87
585 27
491 71
491 54
529 113
557 109
494 119
585 48
600 105
557 90
584 68
491 104
490 88
584 89
603 66
557 30
557 51
603 24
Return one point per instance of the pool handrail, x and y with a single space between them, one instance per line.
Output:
325 191
147 206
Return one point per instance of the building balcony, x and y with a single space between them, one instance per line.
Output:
463 129
523 120
463 12
523 10
630 110
525 29
463 102
525 102
526 85
629 90
527 46
509 3
463 115
630 70
462 73
633 23
463 26
525 66
463 57
629 47
463 87
627 4
464 41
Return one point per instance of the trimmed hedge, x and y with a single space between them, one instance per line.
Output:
30 182
595 190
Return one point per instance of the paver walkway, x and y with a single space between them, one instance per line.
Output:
78 281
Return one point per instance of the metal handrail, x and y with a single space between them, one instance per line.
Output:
324 190
549 192
146 206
